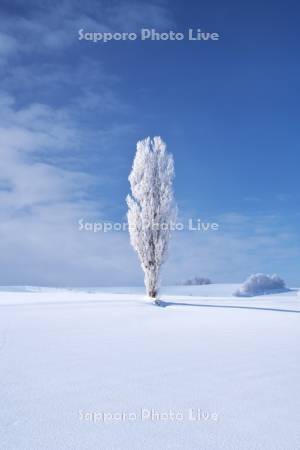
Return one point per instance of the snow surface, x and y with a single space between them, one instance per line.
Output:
67 354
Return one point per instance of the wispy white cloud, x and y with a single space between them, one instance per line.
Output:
42 202
8 47
136 14
54 27
235 251
46 184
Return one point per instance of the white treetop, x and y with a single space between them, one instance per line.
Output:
151 209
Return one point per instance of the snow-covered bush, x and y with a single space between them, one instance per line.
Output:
261 284
197 281
151 209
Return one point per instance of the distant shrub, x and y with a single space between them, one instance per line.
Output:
197 281
259 284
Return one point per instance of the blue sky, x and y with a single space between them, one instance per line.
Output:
71 112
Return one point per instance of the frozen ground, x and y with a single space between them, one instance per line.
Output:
66 355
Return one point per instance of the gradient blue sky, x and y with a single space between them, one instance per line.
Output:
71 112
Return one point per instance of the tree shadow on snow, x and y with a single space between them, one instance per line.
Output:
164 304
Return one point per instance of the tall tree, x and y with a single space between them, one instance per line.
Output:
151 209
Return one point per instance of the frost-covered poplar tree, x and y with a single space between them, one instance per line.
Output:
151 209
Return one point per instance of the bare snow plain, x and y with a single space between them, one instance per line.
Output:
93 369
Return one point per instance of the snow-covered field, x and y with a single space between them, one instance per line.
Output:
105 369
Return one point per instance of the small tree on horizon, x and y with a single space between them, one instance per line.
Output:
151 208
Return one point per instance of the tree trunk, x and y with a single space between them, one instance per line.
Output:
152 293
